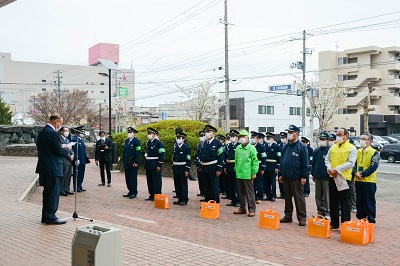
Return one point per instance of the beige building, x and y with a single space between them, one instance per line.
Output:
354 69
21 81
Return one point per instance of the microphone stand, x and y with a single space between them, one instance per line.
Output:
76 165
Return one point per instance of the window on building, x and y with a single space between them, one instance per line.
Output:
270 129
232 110
270 110
342 77
262 109
43 89
43 80
262 129
7 97
308 111
294 111
101 91
102 83
145 121
342 111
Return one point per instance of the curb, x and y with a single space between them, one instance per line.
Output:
29 190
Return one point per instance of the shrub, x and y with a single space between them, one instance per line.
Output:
166 131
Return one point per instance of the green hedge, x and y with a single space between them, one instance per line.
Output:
166 131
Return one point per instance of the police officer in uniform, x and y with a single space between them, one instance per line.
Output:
132 152
258 182
273 158
80 158
154 159
310 150
211 163
222 177
181 167
200 179
283 138
232 188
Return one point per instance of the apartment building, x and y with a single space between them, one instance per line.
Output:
354 69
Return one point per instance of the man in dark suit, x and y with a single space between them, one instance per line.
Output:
50 167
103 156
67 165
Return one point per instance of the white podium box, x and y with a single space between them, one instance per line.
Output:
96 245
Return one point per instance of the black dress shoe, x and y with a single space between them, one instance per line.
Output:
230 204
176 202
149 199
132 196
273 199
58 221
203 200
101 184
70 193
237 204
126 195
175 197
183 203
63 194
224 197
79 190
109 185
83 189
200 195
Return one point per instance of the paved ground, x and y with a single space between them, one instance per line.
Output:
177 236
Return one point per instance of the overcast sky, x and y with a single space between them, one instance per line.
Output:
181 42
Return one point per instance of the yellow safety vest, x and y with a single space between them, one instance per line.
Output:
364 160
339 155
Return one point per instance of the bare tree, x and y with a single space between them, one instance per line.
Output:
324 101
75 107
201 104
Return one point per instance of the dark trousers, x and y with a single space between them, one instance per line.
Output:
222 183
80 177
281 190
258 186
232 187
181 187
107 164
270 184
322 196
366 204
131 180
211 186
51 196
200 180
246 194
66 179
307 186
342 198
294 189
154 182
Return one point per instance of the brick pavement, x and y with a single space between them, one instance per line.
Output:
177 236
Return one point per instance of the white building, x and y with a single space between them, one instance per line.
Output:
21 81
266 111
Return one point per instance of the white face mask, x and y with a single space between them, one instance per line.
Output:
227 142
150 136
130 135
233 139
331 143
66 134
269 141
322 143
103 138
208 135
179 141
363 143
289 136
242 140
260 141
81 135
284 141
252 141
339 139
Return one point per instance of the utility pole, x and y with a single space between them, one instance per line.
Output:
57 82
303 95
227 104
365 104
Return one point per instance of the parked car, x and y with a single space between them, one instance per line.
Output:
392 140
376 145
396 136
381 140
391 153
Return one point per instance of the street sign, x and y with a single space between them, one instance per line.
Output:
280 87
123 92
